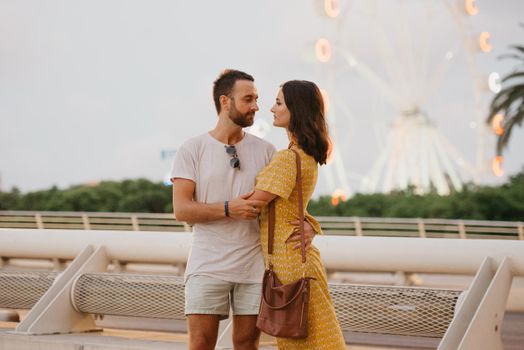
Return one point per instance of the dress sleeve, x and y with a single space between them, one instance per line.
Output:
279 176
315 225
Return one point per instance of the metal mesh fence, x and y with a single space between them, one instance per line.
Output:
130 295
372 309
22 289
394 310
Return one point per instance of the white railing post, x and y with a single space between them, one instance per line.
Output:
358 226
118 266
134 222
462 230
85 221
477 322
54 312
520 228
421 228
58 264
180 268
39 222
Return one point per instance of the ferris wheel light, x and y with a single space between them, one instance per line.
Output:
338 196
323 50
330 152
484 44
494 82
471 7
496 166
331 7
325 98
496 124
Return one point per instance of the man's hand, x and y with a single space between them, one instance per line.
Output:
245 209
309 234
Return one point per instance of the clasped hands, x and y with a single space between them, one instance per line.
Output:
243 208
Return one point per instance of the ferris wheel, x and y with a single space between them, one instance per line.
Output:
406 72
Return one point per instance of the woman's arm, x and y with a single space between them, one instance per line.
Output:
262 196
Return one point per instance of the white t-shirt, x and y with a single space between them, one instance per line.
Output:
226 249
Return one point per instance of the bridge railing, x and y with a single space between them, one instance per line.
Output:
470 320
408 311
331 225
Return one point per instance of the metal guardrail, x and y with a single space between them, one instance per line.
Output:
411 311
331 225
92 221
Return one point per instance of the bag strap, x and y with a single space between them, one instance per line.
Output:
271 214
271 226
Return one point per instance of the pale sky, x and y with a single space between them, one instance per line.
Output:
95 90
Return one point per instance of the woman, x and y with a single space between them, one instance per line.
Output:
299 109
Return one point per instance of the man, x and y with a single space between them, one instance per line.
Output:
212 176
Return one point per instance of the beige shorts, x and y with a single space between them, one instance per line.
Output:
212 296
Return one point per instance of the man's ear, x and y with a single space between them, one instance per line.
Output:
224 102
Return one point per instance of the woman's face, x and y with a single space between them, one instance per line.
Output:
281 114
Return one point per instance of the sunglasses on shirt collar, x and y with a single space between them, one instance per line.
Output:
234 162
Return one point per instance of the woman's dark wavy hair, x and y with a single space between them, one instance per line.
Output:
307 122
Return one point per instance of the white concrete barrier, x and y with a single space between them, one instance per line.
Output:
344 253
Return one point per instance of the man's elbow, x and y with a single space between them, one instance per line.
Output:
180 214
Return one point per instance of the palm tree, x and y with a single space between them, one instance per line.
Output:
510 100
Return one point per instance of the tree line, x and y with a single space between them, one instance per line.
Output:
138 195
503 202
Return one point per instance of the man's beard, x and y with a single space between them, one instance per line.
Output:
241 119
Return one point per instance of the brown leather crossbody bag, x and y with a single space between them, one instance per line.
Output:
284 307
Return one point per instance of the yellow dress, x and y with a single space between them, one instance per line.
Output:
279 177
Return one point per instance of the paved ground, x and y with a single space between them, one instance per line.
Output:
513 331
112 339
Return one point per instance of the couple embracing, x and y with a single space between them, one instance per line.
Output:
223 182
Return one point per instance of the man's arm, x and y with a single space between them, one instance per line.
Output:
187 209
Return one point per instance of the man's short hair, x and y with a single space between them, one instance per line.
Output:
225 82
